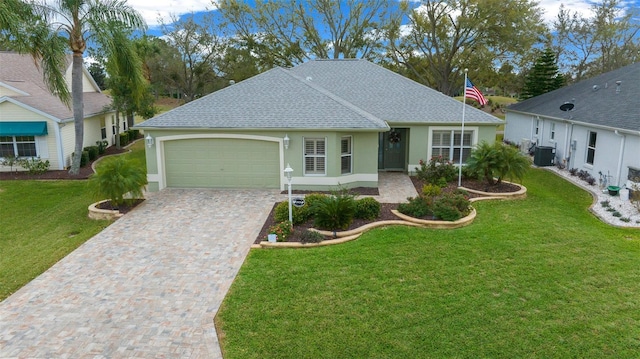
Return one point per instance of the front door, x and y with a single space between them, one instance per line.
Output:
392 150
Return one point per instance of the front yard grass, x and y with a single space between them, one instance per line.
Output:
533 278
40 223
43 221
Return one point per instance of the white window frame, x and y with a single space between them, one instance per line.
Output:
346 155
103 128
316 156
452 131
591 148
15 142
552 135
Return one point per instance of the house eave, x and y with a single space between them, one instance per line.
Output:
581 123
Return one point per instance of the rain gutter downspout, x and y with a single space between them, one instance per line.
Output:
622 143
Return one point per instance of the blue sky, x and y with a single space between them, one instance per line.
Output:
153 10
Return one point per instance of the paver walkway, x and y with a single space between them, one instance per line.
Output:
149 285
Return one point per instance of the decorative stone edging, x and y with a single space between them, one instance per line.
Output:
464 221
521 193
345 236
103 214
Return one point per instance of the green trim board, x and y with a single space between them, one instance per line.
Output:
23 128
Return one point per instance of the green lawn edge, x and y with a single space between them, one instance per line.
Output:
532 278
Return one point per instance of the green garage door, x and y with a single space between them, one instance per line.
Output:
222 163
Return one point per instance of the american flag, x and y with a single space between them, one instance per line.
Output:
472 92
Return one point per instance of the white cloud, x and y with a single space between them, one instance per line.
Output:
153 10
552 7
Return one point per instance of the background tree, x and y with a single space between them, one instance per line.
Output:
589 46
445 36
287 32
99 75
44 27
198 44
543 76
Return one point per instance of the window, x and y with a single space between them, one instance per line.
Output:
537 126
314 156
18 146
447 145
591 147
345 155
553 131
103 128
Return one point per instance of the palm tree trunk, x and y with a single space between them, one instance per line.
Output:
78 111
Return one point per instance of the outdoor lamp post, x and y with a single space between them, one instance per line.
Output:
149 140
287 172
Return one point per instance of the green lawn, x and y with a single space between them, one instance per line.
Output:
533 278
41 222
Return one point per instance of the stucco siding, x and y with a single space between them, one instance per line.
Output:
364 156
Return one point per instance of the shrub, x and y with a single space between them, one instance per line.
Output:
124 139
117 177
10 161
133 135
418 207
84 160
451 207
309 201
437 170
430 190
308 236
367 208
298 214
605 203
497 161
469 173
282 230
34 165
102 146
573 171
93 152
334 212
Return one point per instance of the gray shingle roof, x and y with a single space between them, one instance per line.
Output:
20 72
386 94
320 94
597 100
274 99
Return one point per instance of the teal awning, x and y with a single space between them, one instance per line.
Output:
31 128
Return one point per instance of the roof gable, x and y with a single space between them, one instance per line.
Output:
610 99
20 74
386 94
275 99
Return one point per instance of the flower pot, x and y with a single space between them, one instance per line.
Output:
613 190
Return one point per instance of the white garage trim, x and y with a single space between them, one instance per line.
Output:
160 158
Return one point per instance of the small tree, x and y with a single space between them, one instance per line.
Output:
497 161
117 177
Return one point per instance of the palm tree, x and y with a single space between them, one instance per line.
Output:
74 23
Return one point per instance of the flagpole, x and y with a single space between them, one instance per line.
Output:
464 105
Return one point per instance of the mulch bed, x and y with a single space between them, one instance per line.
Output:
85 171
123 208
385 208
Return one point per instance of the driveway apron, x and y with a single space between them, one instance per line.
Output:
148 286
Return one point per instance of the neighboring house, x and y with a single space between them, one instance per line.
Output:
35 123
345 120
600 134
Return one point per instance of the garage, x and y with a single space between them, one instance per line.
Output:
222 163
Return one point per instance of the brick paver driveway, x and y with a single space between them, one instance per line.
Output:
148 286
